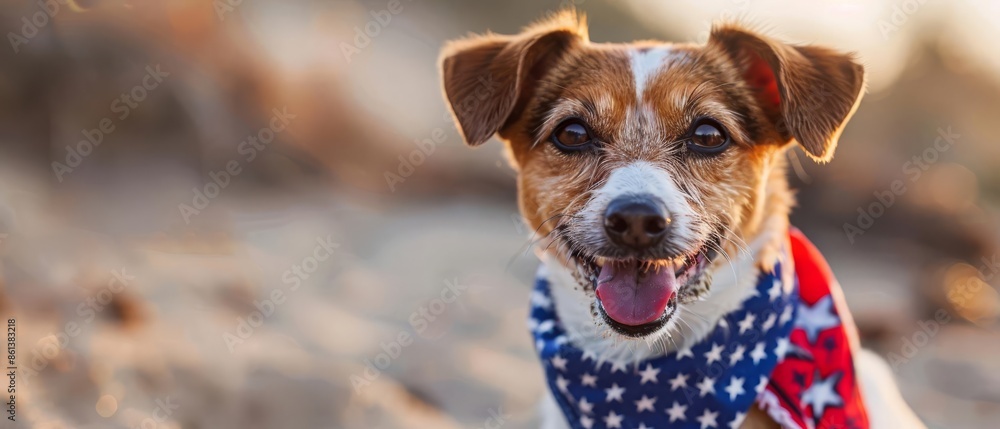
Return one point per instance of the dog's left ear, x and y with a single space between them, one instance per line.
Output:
808 92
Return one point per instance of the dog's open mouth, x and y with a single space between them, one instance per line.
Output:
636 298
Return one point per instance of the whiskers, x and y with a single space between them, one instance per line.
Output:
718 248
532 241
732 238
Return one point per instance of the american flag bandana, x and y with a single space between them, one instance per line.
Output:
789 350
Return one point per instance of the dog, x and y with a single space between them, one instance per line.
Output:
655 175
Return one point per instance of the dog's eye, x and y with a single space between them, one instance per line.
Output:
708 137
572 135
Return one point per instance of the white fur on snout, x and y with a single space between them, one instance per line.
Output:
635 179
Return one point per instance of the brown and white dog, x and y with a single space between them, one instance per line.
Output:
651 159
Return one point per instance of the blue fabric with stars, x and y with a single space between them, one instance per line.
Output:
710 385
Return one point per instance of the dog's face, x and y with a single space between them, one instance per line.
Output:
644 162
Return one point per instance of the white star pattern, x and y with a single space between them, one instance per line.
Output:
589 355
735 388
769 322
761 384
643 426
563 384
758 354
588 380
823 394
708 418
737 421
618 366
649 374
614 393
586 407
747 323
775 291
613 420
782 348
681 380
677 412
586 422
645 404
706 386
715 354
539 299
817 318
685 352
737 355
559 362
546 326
786 315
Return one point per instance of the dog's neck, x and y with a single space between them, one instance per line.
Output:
733 280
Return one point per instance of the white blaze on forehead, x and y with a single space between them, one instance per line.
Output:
646 62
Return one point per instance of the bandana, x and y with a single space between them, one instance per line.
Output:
787 349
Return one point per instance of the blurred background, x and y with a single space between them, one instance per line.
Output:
258 214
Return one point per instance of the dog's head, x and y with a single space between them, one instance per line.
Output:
644 161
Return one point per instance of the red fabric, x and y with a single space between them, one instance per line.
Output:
830 354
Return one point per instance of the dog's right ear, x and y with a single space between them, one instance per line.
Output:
489 78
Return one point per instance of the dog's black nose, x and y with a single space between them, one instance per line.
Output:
638 222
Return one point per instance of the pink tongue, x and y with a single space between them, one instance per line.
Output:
631 297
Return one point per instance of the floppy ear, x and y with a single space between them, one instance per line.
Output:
808 92
489 78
